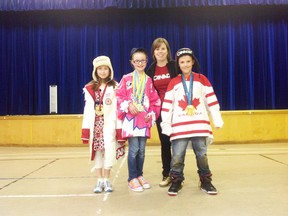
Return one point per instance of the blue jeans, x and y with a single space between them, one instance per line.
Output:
136 156
179 147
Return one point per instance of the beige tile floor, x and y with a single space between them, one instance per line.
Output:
251 179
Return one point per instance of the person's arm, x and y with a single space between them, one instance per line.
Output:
123 99
212 104
155 104
85 135
167 110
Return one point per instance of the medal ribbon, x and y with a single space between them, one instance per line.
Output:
138 87
101 96
189 94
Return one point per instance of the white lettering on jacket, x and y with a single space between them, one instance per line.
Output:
160 77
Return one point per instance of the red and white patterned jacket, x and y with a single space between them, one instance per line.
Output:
113 142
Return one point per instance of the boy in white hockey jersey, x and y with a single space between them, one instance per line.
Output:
188 100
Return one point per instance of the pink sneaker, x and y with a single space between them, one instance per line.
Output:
143 182
134 185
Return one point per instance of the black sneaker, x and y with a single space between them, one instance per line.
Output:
208 188
175 188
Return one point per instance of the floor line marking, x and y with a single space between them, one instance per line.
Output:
277 161
48 195
106 195
18 179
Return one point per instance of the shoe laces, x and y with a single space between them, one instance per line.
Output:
142 180
135 183
100 184
107 184
209 185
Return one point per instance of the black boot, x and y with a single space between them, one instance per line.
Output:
175 187
206 185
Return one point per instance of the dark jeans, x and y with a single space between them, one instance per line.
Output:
179 147
165 149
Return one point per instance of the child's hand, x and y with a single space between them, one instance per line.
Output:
133 109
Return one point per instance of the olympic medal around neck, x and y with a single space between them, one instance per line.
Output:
99 108
99 111
190 109
138 90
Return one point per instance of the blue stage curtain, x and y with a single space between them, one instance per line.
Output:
242 50
32 5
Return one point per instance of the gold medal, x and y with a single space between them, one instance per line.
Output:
190 110
138 86
140 107
98 110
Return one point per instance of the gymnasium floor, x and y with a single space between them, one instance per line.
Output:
251 180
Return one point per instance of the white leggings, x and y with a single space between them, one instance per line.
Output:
100 160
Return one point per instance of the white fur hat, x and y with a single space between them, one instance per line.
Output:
100 61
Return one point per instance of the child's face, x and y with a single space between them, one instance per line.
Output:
186 63
139 61
103 71
161 52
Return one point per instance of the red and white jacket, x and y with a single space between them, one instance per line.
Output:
176 124
113 142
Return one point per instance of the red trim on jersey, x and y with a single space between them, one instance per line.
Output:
210 94
190 132
191 122
213 103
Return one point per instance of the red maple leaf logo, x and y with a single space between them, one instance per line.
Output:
195 102
183 103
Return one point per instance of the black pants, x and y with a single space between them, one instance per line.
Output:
165 149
